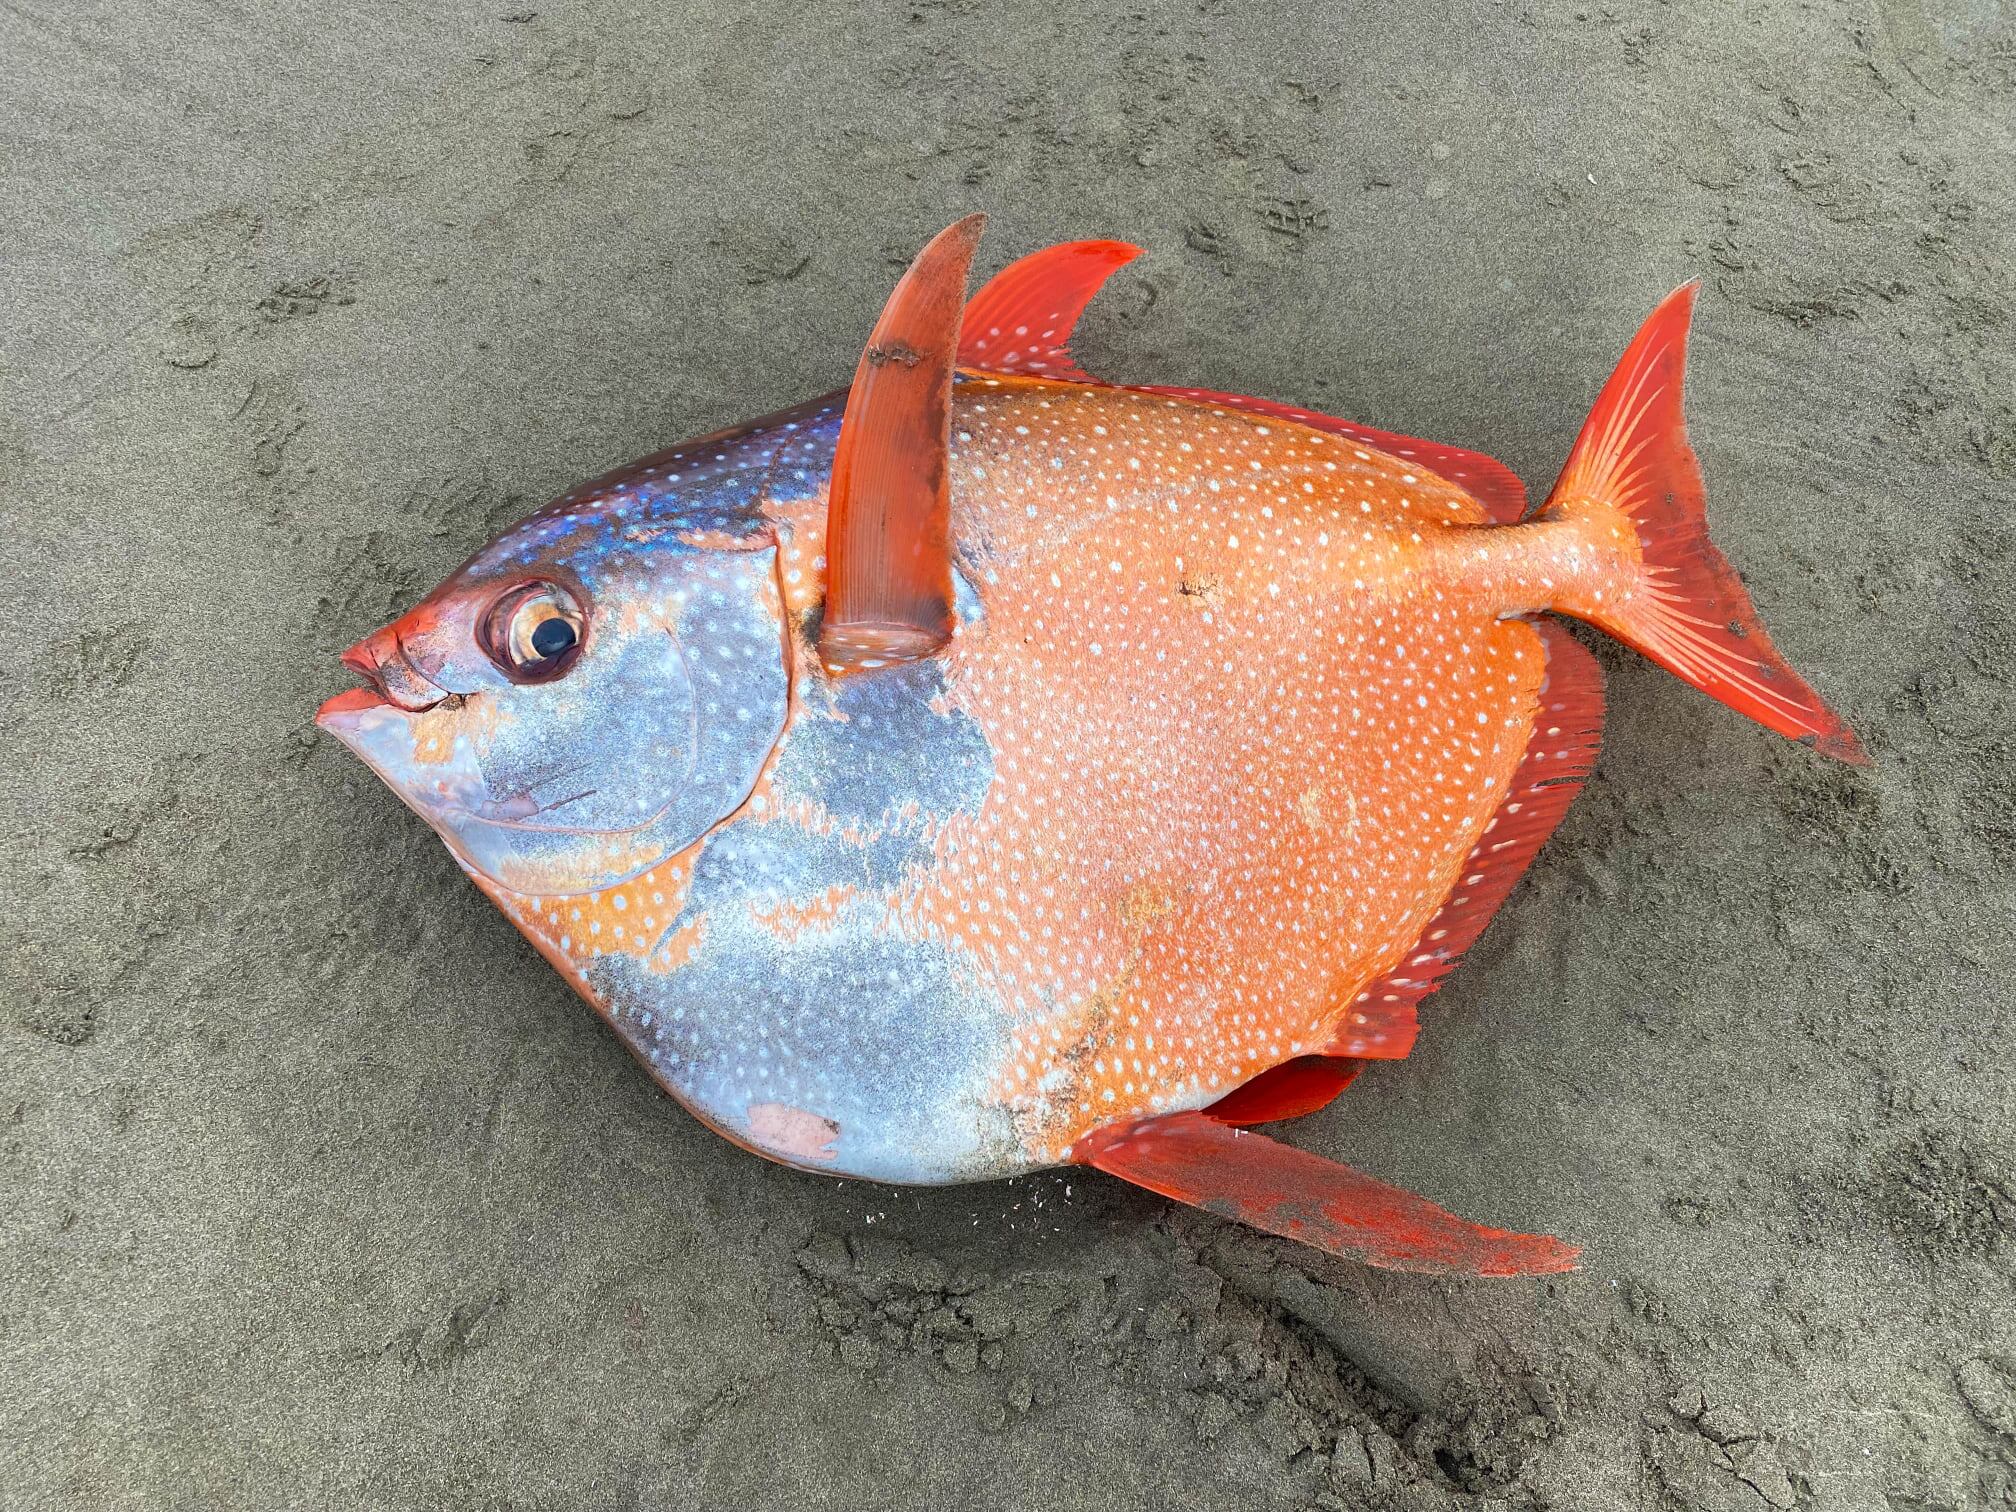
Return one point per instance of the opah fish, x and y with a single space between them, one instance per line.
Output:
988 768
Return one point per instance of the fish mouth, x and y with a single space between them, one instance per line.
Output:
391 678
382 661
335 712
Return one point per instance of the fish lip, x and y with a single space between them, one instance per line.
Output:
351 701
392 675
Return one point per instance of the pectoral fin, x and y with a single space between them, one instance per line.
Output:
1193 1158
889 514
1290 1090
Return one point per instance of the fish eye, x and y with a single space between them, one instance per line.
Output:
533 631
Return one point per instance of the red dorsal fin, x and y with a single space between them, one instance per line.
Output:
1567 730
889 513
1195 1159
1289 1090
1022 319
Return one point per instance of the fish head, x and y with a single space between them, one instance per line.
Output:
585 697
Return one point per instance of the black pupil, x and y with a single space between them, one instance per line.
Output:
552 636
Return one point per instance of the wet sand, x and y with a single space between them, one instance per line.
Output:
322 1191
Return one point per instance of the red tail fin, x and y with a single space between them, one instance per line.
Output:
1684 606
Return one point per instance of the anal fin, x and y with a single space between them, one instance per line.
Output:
1193 1158
1567 729
1381 1023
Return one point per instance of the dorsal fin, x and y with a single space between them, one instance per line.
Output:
889 512
1022 319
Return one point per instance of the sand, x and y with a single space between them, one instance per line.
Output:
320 1190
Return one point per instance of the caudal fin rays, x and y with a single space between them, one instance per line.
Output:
1682 604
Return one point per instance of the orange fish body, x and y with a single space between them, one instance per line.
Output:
1252 703
1174 750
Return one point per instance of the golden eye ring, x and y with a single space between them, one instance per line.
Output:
534 631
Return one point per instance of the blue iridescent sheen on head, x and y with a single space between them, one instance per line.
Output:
659 723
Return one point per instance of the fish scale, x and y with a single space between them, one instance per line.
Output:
988 768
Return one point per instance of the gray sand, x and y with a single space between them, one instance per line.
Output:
320 1190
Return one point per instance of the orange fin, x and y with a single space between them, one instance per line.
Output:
1684 607
889 514
1567 731
1289 1090
1195 1159
1022 319
1381 1024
